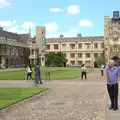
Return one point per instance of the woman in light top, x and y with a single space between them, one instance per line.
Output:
29 70
83 73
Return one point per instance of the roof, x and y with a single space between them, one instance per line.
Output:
18 39
76 39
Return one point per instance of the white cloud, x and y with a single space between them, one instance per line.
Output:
14 29
86 23
5 23
14 21
73 9
27 25
5 3
52 27
56 10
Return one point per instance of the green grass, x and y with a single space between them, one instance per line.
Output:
9 96
56 73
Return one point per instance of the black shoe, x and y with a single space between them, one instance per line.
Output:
110 108
115 109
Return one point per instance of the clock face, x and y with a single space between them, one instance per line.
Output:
115 34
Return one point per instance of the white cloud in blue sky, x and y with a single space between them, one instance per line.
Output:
5 23
73 9
68 17
51 27
56 10
5 3
85 23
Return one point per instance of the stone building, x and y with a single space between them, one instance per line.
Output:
112 35
13 49
37 46
80 49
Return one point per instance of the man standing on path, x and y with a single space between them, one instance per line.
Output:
37 74
112 74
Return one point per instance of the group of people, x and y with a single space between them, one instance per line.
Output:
37 74
111 73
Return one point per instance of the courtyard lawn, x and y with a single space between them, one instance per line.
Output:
55 73
9 96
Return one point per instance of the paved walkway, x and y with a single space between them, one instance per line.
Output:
66 100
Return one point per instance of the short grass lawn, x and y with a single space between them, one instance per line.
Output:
55 73
10 96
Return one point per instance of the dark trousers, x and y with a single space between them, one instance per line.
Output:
29 74
83 75
102 72
113 94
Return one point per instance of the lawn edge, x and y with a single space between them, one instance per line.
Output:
25 99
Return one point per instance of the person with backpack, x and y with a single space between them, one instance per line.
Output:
29 72
83 73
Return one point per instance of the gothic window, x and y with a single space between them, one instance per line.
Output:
72 46
72 62
79 62
87 55
95 45
48 47
55 46
72 55
80 45
79 55
87 45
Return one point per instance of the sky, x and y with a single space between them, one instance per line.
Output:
67 17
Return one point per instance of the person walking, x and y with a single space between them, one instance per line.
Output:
83 73
102 69
29 70
112 76
37 74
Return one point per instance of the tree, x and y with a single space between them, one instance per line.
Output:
55 59
100 60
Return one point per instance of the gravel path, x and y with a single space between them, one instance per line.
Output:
66 100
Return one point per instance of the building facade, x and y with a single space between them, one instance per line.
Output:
80 49
37 46
112 35
13 49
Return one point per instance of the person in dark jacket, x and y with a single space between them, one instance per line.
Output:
37 74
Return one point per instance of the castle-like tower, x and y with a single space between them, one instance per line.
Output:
112 35
40 40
